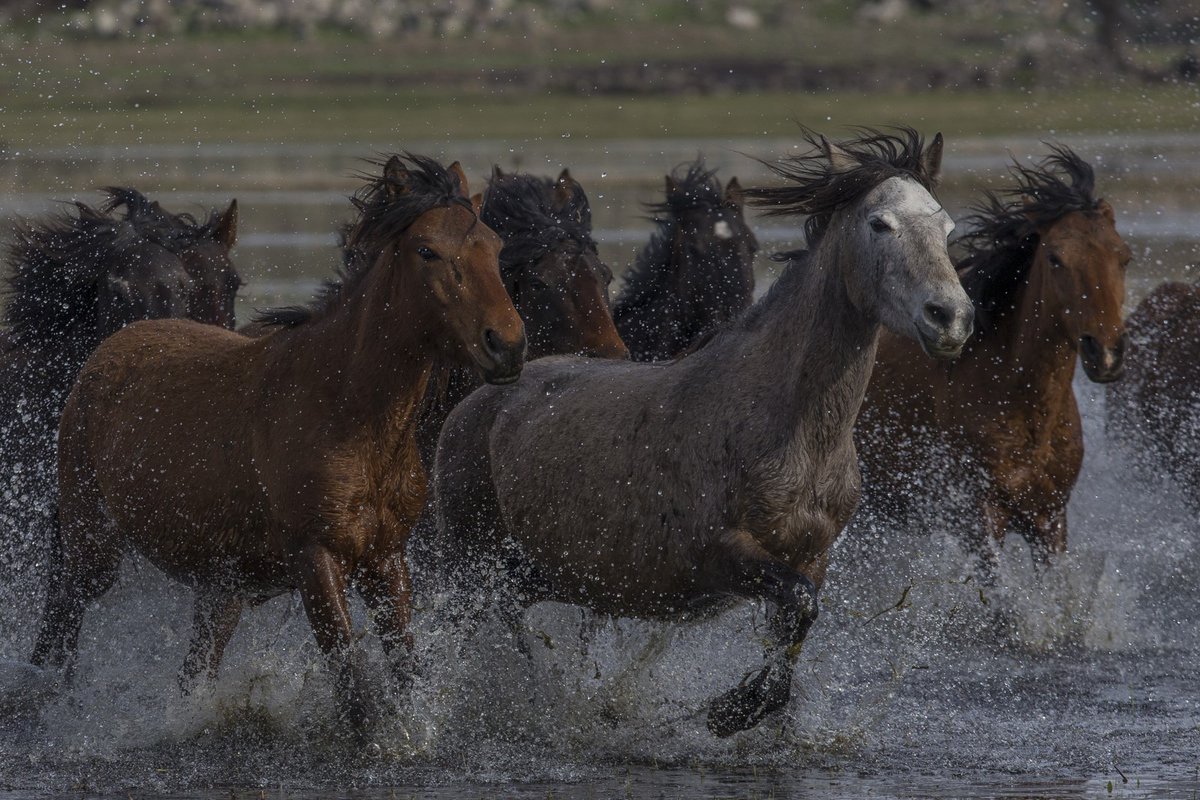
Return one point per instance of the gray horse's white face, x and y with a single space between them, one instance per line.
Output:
899 232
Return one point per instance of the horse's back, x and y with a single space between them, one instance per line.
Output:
157 428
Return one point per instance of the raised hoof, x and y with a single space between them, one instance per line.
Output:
742 708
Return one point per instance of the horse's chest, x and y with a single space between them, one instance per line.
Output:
1032 455
796 509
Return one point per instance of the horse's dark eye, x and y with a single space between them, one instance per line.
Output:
426 253
879 226
1054 260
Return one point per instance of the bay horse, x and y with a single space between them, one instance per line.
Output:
1155 409
553 273
248 466
665 490
1045 268
202 247
696 273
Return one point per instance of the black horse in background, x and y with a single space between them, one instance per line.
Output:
697 272
72 279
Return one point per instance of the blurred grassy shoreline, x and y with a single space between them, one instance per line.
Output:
60 92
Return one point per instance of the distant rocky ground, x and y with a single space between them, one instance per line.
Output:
1063 38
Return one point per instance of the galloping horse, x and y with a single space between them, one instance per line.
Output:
1045 268
664 490
72 281
203 249
1156 408
697 272
248 467
553 274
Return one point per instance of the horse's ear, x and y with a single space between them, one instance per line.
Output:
497 173
672 186
477 203
225 232
564 190
456 170
734 195
839 159
1107 210
395 177
931 159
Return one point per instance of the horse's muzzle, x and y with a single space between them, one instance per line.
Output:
1103 364
943 328
502 361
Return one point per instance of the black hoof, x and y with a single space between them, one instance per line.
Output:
742 708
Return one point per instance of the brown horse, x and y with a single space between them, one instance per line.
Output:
697 272
248 467
1155 410
1000 426
667 490
553 273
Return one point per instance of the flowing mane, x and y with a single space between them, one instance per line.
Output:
696 188
55 269
386 208
816 188
173 232
1004 227
522 210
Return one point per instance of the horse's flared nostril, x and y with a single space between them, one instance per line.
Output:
939 314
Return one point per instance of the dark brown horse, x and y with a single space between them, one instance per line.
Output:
72 280
252 466
999 428
1155 410
554 275
203 248
669 490
697 272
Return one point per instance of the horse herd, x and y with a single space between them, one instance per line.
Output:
661 456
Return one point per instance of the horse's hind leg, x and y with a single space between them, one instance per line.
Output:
750 571
215 616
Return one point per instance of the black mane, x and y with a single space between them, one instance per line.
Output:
817 190
696 188
173 232
1004 227
386 207
522 210
56 270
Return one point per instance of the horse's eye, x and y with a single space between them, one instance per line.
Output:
879 225
426 253
1054 260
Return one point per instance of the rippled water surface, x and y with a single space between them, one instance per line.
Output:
1079 681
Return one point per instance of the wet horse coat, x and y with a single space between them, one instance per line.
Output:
1000 427
248 467
665 490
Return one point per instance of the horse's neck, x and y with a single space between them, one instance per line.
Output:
1030 342
372 356
806 362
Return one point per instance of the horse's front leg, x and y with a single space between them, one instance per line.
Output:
215 616
322 578
1047 534
750 571
387 589
986 541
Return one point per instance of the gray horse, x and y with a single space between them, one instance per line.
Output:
668 490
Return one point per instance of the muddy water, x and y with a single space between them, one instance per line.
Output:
912 684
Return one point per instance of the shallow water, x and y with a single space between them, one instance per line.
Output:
912 684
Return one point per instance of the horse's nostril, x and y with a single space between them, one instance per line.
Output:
938 314
491 342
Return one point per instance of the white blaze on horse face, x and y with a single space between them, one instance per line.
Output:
722 230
